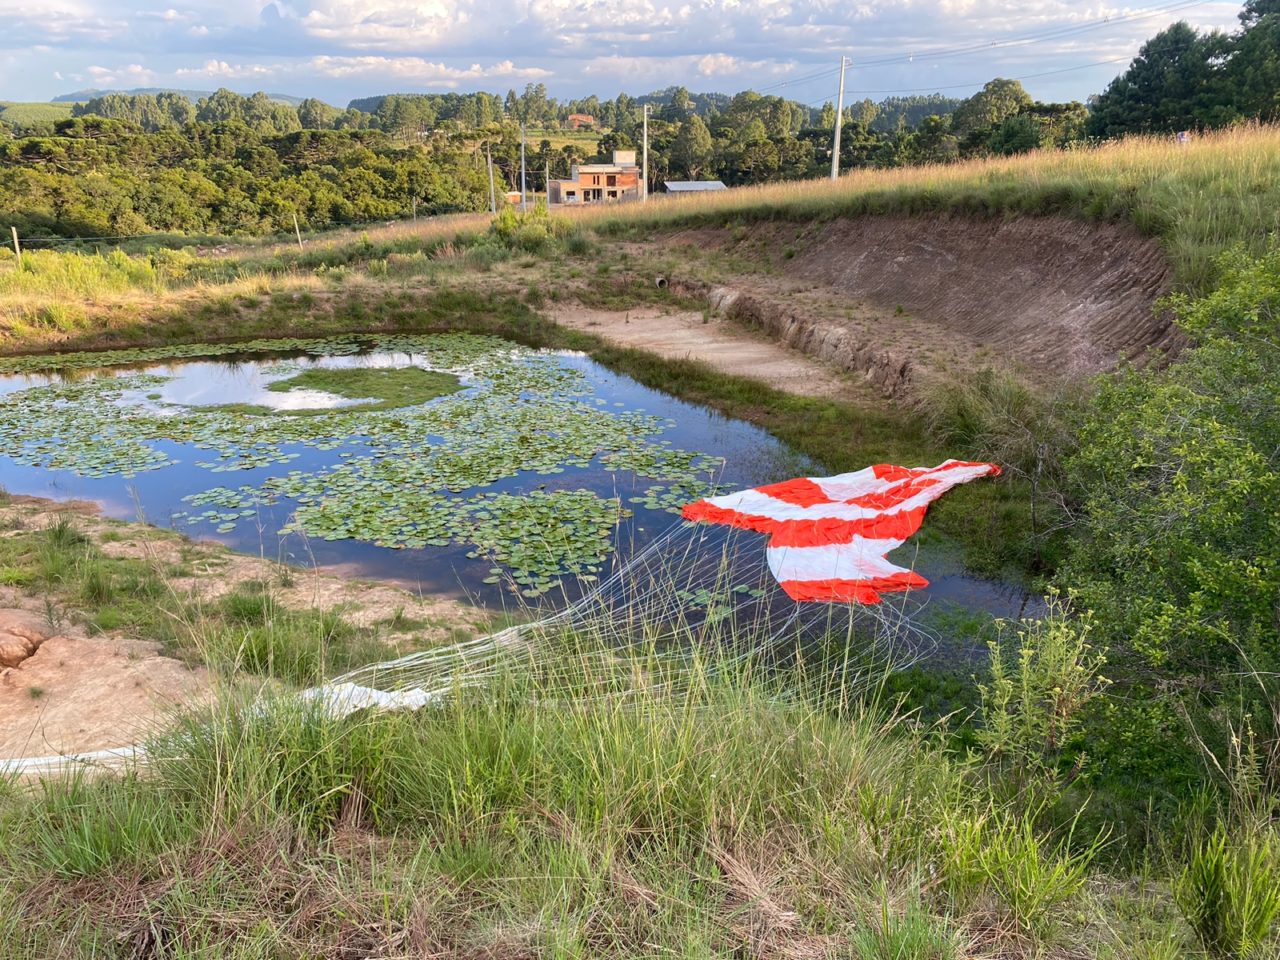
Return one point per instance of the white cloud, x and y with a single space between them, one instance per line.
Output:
133 74
407 69
221 70
418 70
350 46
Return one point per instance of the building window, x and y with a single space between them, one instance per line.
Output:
612 180
613 193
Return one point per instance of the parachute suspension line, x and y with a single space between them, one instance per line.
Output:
701 596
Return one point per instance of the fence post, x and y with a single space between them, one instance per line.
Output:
296 232
17 247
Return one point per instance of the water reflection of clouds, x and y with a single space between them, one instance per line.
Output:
210 384
305 400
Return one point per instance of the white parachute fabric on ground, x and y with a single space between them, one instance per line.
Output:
696 593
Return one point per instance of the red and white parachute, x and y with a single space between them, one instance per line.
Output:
829 536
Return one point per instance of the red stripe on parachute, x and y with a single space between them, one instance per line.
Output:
829 537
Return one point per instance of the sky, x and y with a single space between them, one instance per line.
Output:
341 49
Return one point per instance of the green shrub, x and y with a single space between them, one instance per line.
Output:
1038 689
578 243
251 603
486 254
1028 429
62 534
1176 551
530 231
1229 894
97 585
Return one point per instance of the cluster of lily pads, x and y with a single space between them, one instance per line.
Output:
408 477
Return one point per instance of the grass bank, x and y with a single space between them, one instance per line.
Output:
75 574
1200 199
703 811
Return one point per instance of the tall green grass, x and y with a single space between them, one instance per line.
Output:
525 818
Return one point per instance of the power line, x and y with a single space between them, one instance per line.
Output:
1036 38
1026 40
978 83
793 81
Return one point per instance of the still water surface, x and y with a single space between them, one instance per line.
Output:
142 439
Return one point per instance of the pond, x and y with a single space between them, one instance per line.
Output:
453 463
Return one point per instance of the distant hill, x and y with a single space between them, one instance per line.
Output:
81 96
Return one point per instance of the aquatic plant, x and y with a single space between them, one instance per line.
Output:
411 467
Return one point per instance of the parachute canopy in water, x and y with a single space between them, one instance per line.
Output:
829 535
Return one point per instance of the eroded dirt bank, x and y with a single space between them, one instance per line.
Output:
881 296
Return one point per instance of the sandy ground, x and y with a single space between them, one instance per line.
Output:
725 346
71 692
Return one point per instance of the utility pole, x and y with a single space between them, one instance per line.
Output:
548 183
644 189
17 247
835 143
524 184
493 199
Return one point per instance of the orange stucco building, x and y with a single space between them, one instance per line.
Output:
599 182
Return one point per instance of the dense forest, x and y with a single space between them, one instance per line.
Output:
246 165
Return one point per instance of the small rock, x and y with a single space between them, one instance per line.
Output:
14 650
21 623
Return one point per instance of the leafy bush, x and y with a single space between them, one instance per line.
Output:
1177 552
486 254
1036 692
1030 431
530 231
1229 893
578 243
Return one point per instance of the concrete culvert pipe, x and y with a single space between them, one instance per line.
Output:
660 283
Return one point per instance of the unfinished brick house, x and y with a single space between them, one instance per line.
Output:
599 182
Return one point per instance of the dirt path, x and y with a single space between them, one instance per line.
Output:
722 345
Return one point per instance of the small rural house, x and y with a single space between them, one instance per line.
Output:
579 120
692 186
599 182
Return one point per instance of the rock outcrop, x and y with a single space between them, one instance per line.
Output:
21 635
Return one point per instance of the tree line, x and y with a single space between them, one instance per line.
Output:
234 164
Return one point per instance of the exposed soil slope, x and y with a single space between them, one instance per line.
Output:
726 347
1055 295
